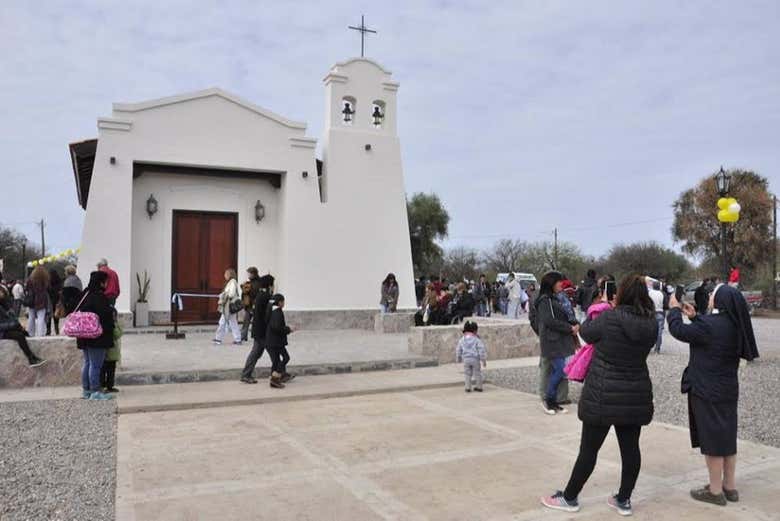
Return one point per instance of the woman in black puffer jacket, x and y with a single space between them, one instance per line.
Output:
617 391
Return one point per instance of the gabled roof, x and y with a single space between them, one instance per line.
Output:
82 155
214 91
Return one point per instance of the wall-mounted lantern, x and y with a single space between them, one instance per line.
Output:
259 211
151 206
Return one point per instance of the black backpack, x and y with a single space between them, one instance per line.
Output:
532 316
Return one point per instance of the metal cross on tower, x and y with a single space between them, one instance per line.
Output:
363 30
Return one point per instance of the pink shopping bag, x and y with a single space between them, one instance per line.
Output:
577 368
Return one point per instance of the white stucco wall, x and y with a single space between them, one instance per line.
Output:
330 255
153 238
362 231
207 129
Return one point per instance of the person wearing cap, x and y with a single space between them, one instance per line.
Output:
276 342
259 326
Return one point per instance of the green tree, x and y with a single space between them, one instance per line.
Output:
12 244
748 241
646 258
428 221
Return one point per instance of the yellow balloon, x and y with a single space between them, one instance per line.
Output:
69 251
34 263
731 200
723 216
723 203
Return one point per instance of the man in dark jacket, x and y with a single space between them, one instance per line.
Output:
586 292
701 297
481 296
259 326
276 342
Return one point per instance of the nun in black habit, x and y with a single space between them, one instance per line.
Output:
717 342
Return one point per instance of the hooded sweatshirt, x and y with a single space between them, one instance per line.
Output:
470 346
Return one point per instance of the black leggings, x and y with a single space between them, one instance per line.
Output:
279 358
21 339
593 437
108 374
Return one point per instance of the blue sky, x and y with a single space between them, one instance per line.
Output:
522 116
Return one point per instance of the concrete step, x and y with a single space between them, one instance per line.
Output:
183 396
124 378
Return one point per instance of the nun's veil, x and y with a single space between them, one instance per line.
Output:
730 302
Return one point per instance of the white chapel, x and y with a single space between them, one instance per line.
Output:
187 186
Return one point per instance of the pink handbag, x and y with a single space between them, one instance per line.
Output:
577 368
82 324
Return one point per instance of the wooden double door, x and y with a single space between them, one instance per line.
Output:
205 244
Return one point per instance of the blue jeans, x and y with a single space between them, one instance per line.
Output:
659 317
93 363
556 375
481 309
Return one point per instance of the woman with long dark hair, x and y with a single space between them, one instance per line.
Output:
717 342
556 336
389 299
617 392
37 301
95 301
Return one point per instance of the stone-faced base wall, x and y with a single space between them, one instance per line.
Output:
399 322
63 363
321 319
502 340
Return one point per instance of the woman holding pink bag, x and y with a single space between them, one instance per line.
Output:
617 392
94 301
577 368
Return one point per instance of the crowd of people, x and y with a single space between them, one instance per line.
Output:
622 324
46 298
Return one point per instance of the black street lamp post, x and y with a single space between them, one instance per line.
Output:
723 180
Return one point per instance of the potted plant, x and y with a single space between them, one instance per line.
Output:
142 305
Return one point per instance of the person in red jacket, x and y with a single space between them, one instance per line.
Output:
734 277
112 286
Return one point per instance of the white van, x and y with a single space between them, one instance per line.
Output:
525 279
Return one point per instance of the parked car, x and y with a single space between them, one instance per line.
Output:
525 279
754 299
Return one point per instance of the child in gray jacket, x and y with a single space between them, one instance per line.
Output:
471 351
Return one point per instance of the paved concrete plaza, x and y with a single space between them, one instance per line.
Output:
438 454
152 352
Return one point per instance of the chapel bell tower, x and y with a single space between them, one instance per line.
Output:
362 176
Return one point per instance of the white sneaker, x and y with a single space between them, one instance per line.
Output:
548 409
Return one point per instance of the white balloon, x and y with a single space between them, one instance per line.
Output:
734 208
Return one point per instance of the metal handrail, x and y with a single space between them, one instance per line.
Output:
176 306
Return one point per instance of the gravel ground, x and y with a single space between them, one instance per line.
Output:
759 420
57 460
